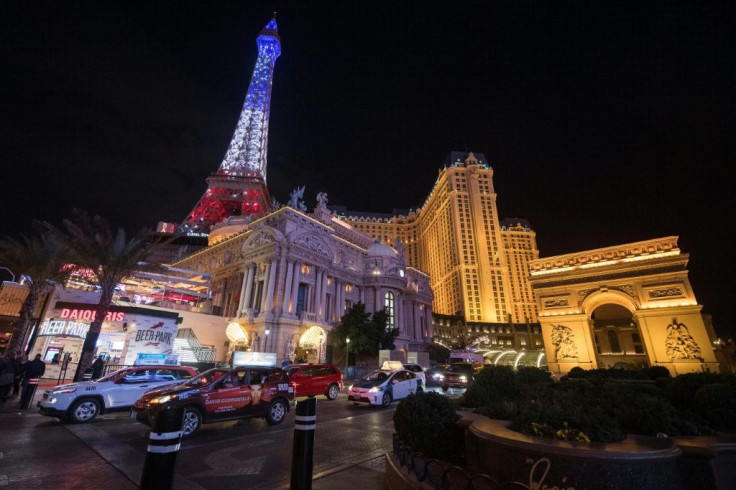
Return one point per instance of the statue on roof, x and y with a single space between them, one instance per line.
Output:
297 199
322 200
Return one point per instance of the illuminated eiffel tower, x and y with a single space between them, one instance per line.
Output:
238 188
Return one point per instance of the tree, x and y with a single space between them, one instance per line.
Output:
111 257
42 260
367 334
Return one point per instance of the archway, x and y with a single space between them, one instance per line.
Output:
617 338
312 345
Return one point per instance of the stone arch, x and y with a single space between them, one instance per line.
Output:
313 243
260 238
607 296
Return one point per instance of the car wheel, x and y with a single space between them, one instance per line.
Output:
276 412
192 421
386 400
445 388
333 391
84 410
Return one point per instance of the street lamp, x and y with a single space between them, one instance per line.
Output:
319 354
265 342
11 272
347 353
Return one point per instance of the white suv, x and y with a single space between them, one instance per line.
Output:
82 402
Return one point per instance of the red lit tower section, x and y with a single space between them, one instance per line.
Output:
238 188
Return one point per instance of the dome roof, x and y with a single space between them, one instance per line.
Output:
378 249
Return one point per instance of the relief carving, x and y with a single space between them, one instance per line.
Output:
665 293
556 303
680 344
562 339
313 243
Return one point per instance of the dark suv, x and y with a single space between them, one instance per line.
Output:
460 375
316 379
223 394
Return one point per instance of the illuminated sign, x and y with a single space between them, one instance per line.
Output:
62 328
248 358
112 316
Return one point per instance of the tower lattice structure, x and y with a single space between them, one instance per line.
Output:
238 188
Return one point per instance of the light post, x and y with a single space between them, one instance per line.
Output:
319 354
347 353
11 272
265 342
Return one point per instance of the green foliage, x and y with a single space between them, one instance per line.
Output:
426 422
492 384
367 334
716 403
682 388
532 376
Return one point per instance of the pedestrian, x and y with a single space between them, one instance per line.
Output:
97 367
34 370
7 375
20 368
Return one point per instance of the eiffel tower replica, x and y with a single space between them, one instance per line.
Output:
238 188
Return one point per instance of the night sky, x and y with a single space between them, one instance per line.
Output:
604 122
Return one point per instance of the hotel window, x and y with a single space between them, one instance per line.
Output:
388 304
613 341
301 298
636 340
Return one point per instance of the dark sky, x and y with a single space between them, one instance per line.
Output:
605 122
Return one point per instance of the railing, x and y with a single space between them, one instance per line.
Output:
202 353
307 316
443 475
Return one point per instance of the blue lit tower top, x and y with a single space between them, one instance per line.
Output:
246 154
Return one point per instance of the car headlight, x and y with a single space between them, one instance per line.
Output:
51 401
375 389
160 399
64 391
463 378
350 388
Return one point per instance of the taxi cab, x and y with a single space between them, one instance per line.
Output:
383 387
222 394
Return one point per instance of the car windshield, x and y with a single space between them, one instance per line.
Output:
115 374
207 377
376 376
460 368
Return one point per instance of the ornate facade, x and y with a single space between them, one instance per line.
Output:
284 281
630 305
477 267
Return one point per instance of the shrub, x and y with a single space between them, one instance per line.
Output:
716 403
425 422
533 376
657 372
682 389
492 384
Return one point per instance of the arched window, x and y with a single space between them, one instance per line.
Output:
613 341
388 304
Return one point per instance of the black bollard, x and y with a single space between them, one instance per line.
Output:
164 442
303 454
29 390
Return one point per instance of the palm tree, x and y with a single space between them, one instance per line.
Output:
41 259
110 257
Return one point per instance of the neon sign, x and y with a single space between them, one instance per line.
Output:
90 315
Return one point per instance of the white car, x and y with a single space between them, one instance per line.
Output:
414 368
384 387
82 402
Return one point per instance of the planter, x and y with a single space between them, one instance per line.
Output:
508 456
707 463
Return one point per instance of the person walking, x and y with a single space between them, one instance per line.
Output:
34 370
7 376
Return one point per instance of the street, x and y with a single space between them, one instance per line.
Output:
110 451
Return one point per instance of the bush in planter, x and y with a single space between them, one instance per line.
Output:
492 385
681 389
716 403
426 422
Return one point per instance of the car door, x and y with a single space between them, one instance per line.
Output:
229 396
399 387
130 387
305 383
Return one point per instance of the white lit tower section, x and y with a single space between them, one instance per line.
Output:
238 188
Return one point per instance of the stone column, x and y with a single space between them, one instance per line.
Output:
286 307
271 285
247 289
295 285
265 287
281 285
335 300
377 305
317 296
323 297
361 295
